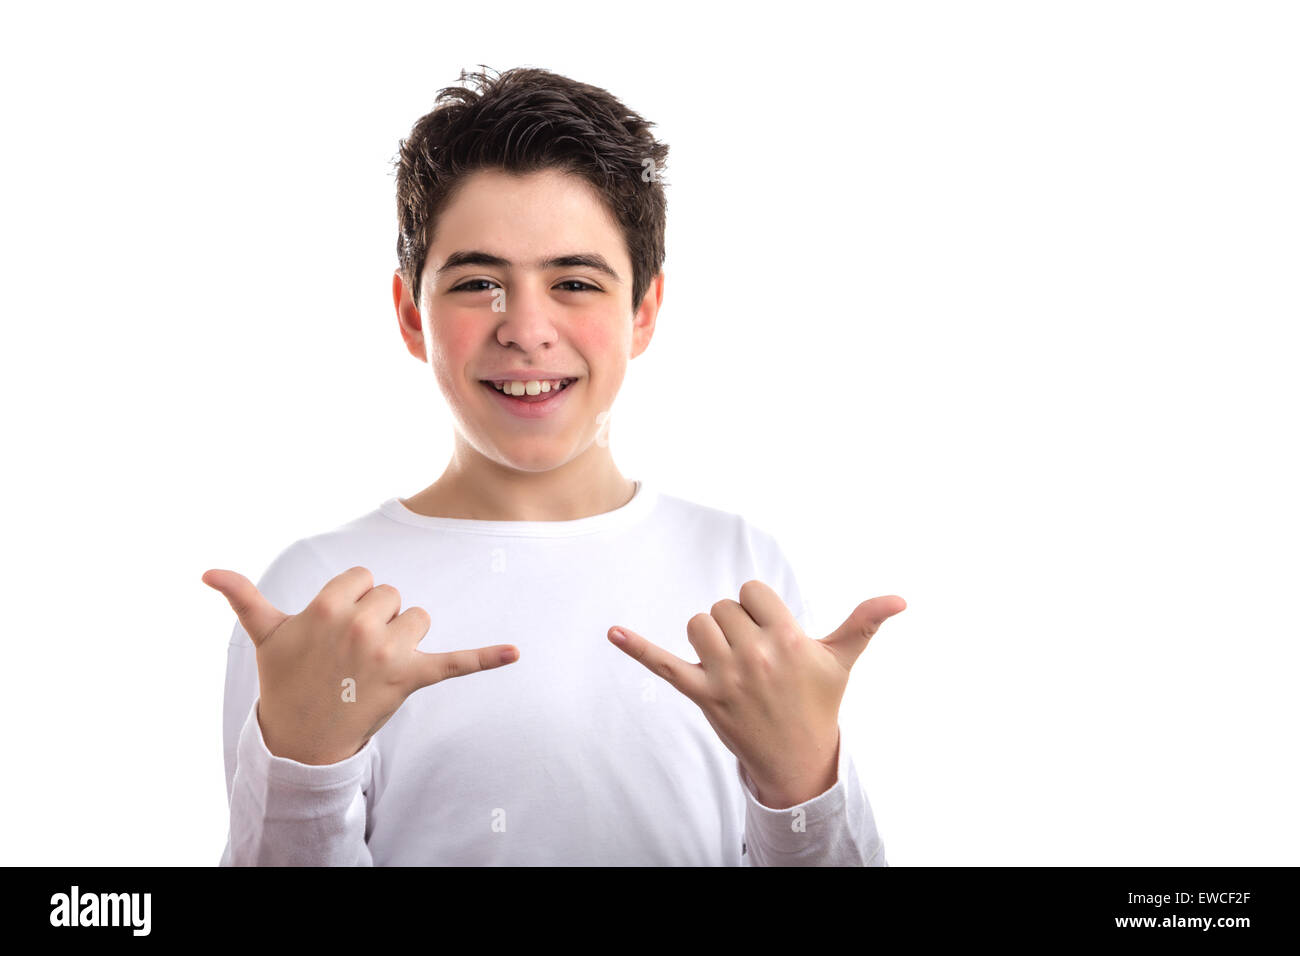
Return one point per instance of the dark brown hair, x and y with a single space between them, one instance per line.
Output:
522 121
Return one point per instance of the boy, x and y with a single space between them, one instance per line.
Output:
545 191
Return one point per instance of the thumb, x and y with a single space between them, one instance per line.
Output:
850 639
257 615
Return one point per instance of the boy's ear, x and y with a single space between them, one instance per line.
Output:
408 318
643 321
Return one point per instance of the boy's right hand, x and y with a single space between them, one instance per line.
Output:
351 629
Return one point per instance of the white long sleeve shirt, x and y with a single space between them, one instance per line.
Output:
575 754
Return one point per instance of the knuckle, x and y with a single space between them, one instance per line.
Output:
329 609
358 628
758 660
729 686
787 634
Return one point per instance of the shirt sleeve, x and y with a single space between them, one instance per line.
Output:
286 813
282 812
835 828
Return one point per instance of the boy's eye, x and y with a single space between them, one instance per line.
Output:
465 286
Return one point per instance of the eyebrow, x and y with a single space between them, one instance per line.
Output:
578 260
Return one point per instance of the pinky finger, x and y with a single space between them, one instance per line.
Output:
432 668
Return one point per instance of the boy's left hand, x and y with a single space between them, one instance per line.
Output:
770 692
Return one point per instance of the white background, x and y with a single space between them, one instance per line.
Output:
989 305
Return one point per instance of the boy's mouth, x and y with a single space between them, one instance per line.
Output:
532 396
530 391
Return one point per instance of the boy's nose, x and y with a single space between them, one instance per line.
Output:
528 328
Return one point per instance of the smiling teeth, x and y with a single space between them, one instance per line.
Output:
533 387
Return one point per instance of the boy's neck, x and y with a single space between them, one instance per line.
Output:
490 493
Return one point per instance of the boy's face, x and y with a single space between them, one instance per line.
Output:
523 318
